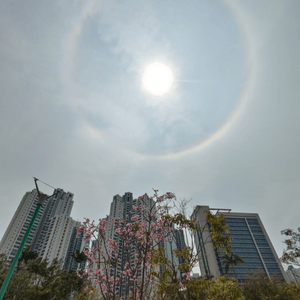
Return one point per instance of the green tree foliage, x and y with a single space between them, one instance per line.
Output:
219 232
38 279
291 254
79 257
260 287
173 283
222 289
27 255
206 289
88 294
230 260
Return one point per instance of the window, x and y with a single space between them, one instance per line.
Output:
262 244
235 220
252 221
256 230
267 256
265 251
260 238
242 236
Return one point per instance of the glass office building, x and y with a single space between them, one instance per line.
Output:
249 240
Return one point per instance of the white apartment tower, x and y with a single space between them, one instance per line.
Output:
56 226
293 274
17 227
51 231
59 234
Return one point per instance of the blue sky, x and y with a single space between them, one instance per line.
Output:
75 114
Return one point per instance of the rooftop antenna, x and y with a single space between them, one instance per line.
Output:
41 198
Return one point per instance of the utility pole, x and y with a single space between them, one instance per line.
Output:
42 198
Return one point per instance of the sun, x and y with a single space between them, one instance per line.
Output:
157 79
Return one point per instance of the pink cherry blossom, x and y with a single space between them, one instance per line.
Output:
137 236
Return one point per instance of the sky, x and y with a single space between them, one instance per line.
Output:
75 111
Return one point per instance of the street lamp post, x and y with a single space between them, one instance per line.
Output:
42 198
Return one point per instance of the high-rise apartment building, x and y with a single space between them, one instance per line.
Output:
122 208
250 241
180 241
17 227
75 242
293 274
55 228
180 244
52 230
170 244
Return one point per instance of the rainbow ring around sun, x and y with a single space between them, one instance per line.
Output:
157 79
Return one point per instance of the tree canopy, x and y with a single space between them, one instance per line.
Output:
291 254
40 279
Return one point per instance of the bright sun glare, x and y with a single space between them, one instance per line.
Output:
157 78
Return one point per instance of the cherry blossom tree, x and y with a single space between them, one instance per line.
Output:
122 265
127 259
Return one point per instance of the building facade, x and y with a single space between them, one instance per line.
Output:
170 244
75 242
180 244
293 274
249 240
52 227
52 230
17 227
